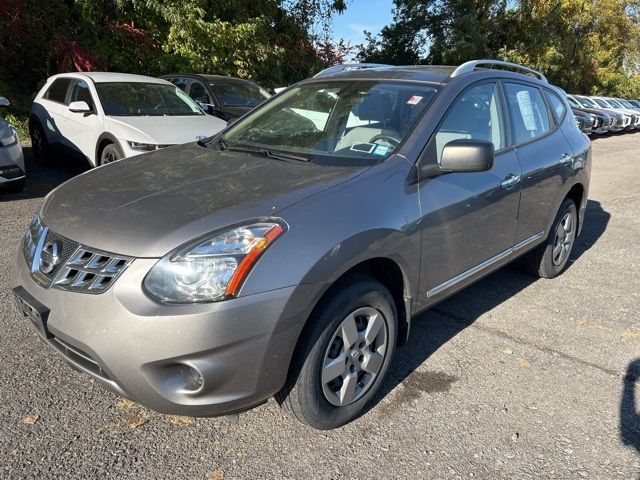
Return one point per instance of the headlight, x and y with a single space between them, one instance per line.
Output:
211 270
144 147
10 140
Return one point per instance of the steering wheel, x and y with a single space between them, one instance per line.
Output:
389 139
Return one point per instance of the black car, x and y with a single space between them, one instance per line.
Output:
585 121
225 97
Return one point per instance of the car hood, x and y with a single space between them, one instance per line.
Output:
147 205
164 130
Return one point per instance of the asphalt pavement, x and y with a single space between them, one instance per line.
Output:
512 378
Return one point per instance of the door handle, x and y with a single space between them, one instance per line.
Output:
510 180
566 159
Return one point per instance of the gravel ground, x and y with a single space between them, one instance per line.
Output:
512 378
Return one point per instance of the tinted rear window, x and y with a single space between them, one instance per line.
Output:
58 90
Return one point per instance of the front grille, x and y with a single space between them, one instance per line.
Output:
58 262
90 271
66 248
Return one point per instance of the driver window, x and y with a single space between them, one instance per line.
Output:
199 93
475 115
81 93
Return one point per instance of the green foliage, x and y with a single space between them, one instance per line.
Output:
588 46
274 42
20 122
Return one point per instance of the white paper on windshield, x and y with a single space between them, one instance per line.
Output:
526 110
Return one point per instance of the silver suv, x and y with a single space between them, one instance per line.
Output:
287 255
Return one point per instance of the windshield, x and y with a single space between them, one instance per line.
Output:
142 99
239 94
586 102
602 103
341 119
573 102
613 103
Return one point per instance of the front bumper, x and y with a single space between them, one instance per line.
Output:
153 353
11 163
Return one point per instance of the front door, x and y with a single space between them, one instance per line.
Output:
468 219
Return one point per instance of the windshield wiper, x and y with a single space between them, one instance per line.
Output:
267 153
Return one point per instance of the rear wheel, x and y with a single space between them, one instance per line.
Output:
110 153
549 259
342 362
39 143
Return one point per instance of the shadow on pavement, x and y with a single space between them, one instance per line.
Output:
629 414
41 179
435 327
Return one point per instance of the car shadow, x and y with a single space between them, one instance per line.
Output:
41 179
435 327
629 413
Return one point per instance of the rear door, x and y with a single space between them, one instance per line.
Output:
545 156
468 219
55 104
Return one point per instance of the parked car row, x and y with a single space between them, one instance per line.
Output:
600 115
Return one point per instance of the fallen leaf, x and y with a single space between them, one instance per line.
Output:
135 420
180 420
508 351
30 419
217 475
629 335
523 362
125 404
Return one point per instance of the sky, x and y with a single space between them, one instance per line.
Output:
360 15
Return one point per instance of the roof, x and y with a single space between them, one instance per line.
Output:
101 77
210 78
441 74
422 73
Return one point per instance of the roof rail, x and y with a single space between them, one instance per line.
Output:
348 66
473 64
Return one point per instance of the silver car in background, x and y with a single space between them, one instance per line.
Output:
12 170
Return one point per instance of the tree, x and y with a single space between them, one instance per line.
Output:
589 46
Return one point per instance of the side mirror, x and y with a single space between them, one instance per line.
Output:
4 102
79 107
465 155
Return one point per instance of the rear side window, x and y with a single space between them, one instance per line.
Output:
57 92
529 115
557 105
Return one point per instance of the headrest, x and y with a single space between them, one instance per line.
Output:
375 107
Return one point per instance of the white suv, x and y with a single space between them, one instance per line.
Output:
109 116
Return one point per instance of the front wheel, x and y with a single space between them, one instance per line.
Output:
110 153
39 143
549 259
342 361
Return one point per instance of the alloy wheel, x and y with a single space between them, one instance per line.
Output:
354 356
564 237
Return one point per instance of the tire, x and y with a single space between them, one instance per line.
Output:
110 153
14 186
326 403
546 261
39 142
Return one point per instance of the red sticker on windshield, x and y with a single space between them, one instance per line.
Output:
414 100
